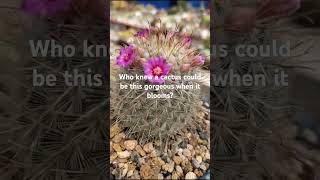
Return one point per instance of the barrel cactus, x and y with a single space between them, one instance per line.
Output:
161 97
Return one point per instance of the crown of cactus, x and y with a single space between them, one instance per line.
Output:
157 54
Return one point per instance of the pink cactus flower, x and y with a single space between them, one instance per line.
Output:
156 67
127 56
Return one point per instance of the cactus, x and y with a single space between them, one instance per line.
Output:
253 129
152 53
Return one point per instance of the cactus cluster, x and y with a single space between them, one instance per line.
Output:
157 54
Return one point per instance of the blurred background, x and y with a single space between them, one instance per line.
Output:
128 17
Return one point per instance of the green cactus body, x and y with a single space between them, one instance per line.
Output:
157 118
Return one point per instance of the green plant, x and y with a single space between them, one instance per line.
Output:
156 118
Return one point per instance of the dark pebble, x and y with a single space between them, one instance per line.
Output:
183 144
165 158
203 135
135 158
166 174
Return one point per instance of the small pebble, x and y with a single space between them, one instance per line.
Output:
166 158
114 130
174 176
124 154
165 174
117 147
187 166
121 165
180 151
158 161
195 163
190 147
177 159
194 141
203 135
207 155
140 150
179 170
203 167
135 157
160 176
148 148
183 144
130 173
198 173
199 159
153 154
191 175
135 175
130 144
119 137
131 167
204 142
113 156
189 135
168 167
125 170
122 160
141 161
187 153
114 172
146 171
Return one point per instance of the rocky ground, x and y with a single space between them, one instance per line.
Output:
185 156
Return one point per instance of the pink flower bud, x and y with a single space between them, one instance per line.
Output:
185 67
186 41
198 60
127 56
171 34
143 34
